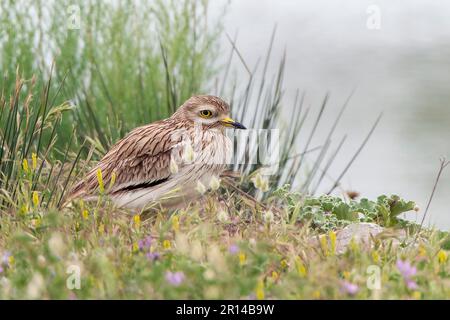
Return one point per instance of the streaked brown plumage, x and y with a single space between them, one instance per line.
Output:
154 162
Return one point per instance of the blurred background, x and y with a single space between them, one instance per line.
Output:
123 63
400 69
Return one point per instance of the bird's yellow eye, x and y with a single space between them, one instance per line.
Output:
206 114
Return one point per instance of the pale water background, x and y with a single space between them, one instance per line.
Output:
402 69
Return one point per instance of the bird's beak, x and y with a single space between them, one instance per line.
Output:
228 122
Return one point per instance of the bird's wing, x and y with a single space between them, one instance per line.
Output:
143 157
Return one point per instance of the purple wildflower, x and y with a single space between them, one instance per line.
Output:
73 296
1 269
152 256
145 243
233 249
350 288
5 258
406 269
175 278
411 284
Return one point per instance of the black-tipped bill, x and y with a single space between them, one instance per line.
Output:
228 122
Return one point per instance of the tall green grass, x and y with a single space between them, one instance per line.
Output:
128 63
30 162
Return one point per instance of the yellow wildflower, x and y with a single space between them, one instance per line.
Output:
34 160
36 222
354 245
35 199
375 256
24 209
85 214
101 186
417 295
346 275
137 221
166 244
442 256
260 290
316 294
275 275
242 258
301 270
113 180
25 166
175 223
324 245
284 264
11 261
101 228
332 236
135 247
422 251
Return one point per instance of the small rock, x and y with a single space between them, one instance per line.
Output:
361 232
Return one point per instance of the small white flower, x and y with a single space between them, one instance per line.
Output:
189 154
56 244
260 182
209 274
214 183
6 286
35 286
268 216
200 187
182 243
173 166
223 216
212 292
265 186
216 259
41 260
197 250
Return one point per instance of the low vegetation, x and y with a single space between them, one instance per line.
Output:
224 248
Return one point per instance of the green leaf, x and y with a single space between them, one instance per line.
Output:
343 212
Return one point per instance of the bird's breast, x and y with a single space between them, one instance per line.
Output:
213 149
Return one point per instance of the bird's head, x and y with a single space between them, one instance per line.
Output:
209 111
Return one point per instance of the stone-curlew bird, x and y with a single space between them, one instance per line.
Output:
166 160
